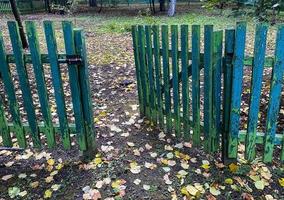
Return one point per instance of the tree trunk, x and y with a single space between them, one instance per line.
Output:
19 21
47 6
93 3
172 8
162 5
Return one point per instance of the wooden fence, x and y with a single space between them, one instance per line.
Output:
24 6
172 95
41 66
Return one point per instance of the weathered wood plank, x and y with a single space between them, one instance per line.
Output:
184 79
80 48
40 80
74 84
143 68
175 69
149 57
4 129
157 60
57 82
24 82
137 66
227 70
195 69
166 77
217 73
276 85
256 84
10 90
208 89
237 80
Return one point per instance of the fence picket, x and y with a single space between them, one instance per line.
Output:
83 71
136 60
208 91
217 72
175 70
166 77
256 83
156 39
227 70
40 80
24 82
196 84
185 85
237 79
5 132
143 68
74 84
10 90
57 82
149 56
275 97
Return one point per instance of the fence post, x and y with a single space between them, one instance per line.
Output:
84 84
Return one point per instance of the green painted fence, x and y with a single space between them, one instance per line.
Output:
24 6
207 113
39 131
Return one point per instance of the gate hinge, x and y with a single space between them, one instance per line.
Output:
73 59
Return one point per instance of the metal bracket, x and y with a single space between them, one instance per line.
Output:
73 59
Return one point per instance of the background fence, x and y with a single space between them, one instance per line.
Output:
33 104
24 6
175 85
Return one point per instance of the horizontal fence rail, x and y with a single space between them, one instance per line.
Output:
195 90
30 79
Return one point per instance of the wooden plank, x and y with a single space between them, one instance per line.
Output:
80 48
40 81
4 130
166 76
276 85
137 67
256 85
10 90
176 90
227 70
196 84
149 57
57 82
74 84
24 82
237 82
208 89
143 67
157 60
217 73
44 58
184 79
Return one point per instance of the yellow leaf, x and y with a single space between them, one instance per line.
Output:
184 191
205 166
34 184
47 194
98 161
281 181
229 181
50 162
259 184
59 166
192 190
233 167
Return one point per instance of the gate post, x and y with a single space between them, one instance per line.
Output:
84 84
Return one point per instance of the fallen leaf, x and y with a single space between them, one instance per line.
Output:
259 184
47 194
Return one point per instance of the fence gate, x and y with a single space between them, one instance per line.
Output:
34 94
175 85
